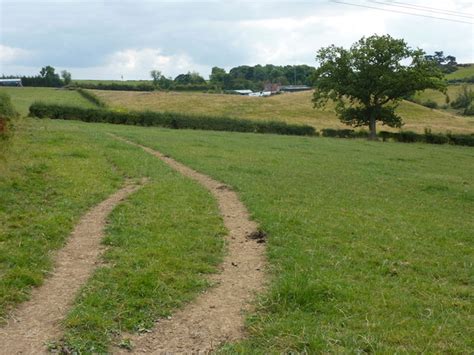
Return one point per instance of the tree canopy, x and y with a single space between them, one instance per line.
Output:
368 81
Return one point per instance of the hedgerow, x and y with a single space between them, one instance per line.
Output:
168 120
405 136
91 97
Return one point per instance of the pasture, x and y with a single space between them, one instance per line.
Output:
369 244
290 108
346 266
22 98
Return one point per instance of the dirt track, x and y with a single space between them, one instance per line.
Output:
37 321
216 316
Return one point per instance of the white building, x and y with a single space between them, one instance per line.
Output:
10 82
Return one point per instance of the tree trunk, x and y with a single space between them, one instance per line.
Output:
373 129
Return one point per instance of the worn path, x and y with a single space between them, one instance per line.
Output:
37 321
216 316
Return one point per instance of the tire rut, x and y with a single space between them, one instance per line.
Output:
37 321
216 316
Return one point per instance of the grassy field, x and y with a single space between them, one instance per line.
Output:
22 98
50 175
370 244
462 72
290 108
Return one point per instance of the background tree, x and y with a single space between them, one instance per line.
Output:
67 77
155 76
447 64
49 76
368 81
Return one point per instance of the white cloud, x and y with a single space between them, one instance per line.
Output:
137 64
289 40
12 54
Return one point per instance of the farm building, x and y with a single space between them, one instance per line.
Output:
10 82
240 92
294 88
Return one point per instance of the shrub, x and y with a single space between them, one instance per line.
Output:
408 137
461 139
339 133
464 98
167 119
385 135
435 138
430 104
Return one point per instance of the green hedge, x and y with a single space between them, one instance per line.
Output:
405 136
167 119
91 97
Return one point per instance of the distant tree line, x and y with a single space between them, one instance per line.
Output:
47 77
241 77
447 64
254 77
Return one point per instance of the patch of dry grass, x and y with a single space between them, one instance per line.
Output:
290 108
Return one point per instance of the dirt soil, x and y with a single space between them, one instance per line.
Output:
37 321
216 316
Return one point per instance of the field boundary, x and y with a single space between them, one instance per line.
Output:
37 321
217 316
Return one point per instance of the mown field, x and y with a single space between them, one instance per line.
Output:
370 244
290 108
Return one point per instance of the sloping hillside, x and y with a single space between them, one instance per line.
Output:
294 108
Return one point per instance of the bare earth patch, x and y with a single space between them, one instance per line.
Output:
216 316
36 321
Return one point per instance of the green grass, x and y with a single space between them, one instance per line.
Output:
161 241
22 98
370 244
462 72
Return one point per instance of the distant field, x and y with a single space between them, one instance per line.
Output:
290 108
462 72
22 98
123 82
440 98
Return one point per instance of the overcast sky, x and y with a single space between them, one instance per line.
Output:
105 39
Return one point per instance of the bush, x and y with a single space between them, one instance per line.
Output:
385 135
435 138
461 139
168 120
464 98
7 113
430 104
91 97
408 137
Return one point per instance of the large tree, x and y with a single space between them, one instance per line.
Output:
368 81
